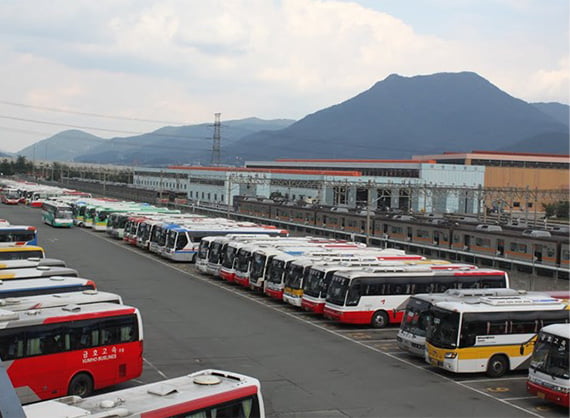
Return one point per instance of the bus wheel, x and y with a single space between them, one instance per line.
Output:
81 385
379 319
497 366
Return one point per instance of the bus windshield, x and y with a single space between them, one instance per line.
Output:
257 265
295 277
337 290
64 214
214 254
312 286
228 256
443 328
243 260
276 271
550 355
202 249
416 317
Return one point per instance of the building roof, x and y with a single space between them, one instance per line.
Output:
271 170
496 155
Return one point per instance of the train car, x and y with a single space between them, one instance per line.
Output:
455 236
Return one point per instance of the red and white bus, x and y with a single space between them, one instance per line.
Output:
373 298
208 393
70 350
317 281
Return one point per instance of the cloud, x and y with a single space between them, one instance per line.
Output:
187 59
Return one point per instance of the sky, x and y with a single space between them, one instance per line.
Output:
122 67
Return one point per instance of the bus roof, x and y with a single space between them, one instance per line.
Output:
17 228
21 248
10 319
34 272
166 398
58 299
423 269
504 303
55 284
30 262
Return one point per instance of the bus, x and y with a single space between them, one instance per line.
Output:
316 284
18 235
486 337
237 254
21 252
44 286
36 272
413 328
70 350
373 298
182 242
57 214
549 368
298 271
203 394
10 197
59 299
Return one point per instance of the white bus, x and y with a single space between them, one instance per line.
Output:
549 368
57 214
204 394
487 336
373 298
182 242
413 328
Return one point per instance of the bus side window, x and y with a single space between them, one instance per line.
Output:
181 241
11 345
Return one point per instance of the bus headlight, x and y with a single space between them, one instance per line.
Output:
450 355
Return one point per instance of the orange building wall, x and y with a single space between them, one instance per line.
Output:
534 178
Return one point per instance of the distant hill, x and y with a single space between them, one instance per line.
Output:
558 111
176 145
401 116
64 146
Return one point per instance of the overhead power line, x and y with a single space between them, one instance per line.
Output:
66 125
97 115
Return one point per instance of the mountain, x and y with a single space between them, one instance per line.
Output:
401 116
176 145
550 143
558 111
64 146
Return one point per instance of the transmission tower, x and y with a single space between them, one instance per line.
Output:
216 145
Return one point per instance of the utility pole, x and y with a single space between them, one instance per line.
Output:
368 204
216 145
229 196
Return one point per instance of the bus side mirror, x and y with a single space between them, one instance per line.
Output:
521 350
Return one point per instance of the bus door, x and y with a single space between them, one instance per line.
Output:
500 247
409 233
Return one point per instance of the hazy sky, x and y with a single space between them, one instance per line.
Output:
180 61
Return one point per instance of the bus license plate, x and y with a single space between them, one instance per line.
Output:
541 395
